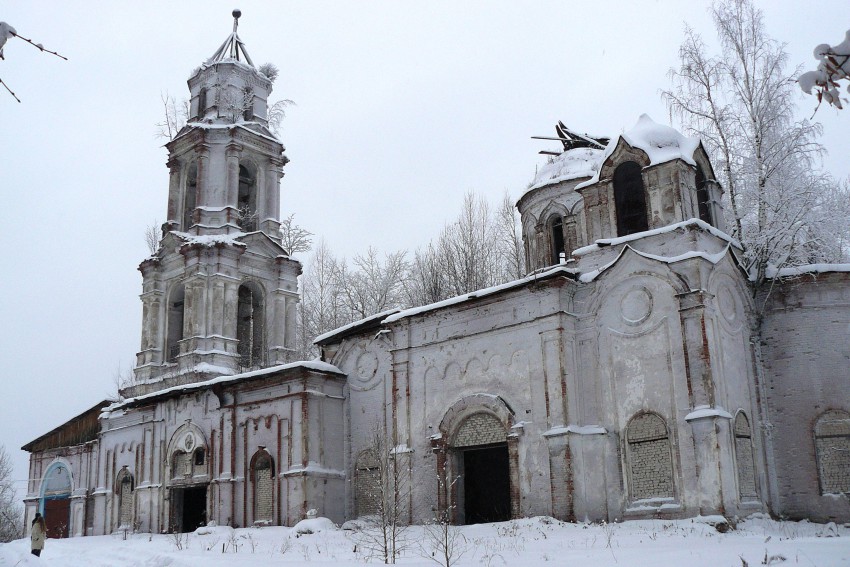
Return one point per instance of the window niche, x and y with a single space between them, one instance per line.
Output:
250 326
190 197
744 457
703 198
556 240
630 199
262 477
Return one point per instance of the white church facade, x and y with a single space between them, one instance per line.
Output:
634 373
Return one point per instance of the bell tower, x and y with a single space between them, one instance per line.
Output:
219 296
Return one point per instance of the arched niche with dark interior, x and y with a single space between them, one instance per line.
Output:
630 199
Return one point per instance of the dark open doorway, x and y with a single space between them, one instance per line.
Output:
188 508
486 485
57 513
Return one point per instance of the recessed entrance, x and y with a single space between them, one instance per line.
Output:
188 508
486 484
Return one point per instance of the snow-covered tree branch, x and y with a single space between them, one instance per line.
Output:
7 32
834 67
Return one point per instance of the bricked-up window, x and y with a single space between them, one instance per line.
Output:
262 475
832 443
649 457
124 487
556 238
480 429
181 465
367 484
629 199
744 456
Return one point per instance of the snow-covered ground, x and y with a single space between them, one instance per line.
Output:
532 542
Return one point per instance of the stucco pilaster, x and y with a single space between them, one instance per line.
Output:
706 426
695 345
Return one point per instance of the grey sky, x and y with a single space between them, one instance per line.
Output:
401 108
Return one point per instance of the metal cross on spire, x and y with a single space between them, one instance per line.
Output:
232 48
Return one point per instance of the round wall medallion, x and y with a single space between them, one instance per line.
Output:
728 305
636 306
189 442
367 366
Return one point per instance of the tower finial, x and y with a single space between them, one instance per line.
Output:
236 13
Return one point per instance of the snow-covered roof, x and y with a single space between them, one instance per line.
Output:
572 164
351 327
557 270
605 242
211 240
794 271
316 365
661 144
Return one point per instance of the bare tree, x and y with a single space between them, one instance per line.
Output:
741 104
152 235
276 114
174 116
11 512
372 285
388 484
443 542
320 308
511 250
294 238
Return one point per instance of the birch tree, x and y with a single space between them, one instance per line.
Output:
741 103
11 512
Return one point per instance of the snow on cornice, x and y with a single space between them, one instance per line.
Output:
794 271
571 272
572 164
575 429
316 365
707 411
713 258
604 242
661 144
228 125
211 240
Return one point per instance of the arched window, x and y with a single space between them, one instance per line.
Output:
175 323
367 484
124 489
629 199
247 198
556 239
250 326
649 457
262 476
832 443
190 196
744 456
703 198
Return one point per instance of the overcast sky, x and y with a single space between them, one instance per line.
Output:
401 108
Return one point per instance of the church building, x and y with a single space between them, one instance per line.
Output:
635 372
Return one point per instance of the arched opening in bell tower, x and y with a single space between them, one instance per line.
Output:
175 323
703 198
247 196
630 199
250 326
556 239
190 197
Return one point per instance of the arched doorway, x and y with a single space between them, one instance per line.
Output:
481 456
477 462
56 500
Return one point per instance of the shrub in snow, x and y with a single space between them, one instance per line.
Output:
312 526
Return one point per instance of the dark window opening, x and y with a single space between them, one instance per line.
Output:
703 198
556 232
629 199
248 104
199 456
486 485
